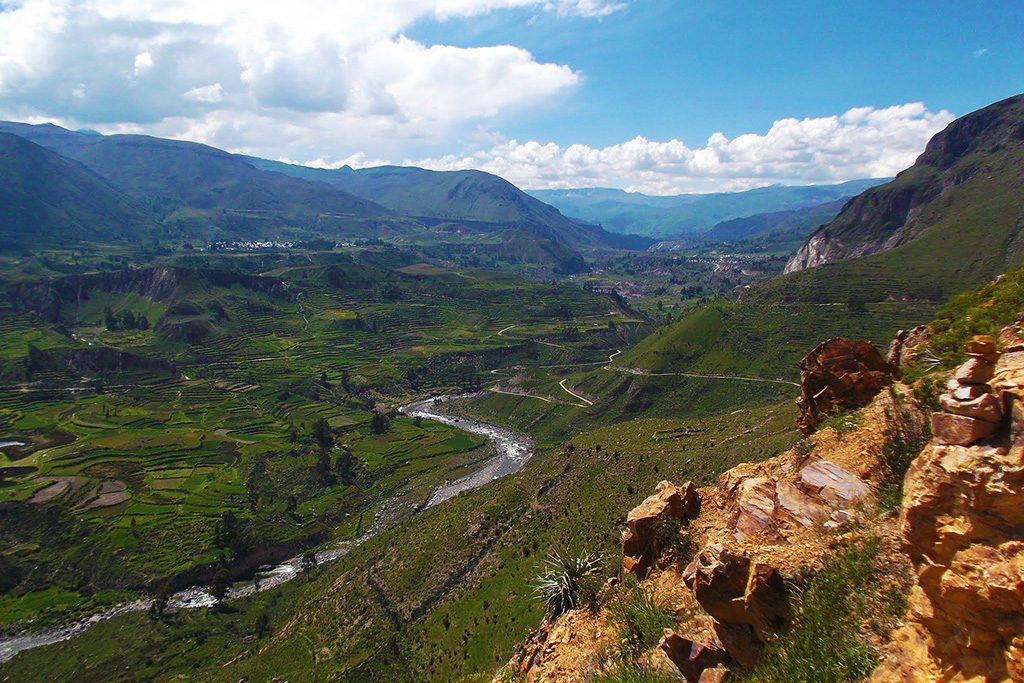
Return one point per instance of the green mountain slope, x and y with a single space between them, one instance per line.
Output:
196 188
776 227
965 199
958 207
47 198
476 200
689 213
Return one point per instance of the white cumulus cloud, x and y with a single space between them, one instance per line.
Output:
343 71
865 142
328 82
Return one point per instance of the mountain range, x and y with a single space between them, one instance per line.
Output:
39 188
689 214
182 189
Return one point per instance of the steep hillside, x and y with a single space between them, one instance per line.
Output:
667 216
885 546
194 190
968 182
776 227
47 198
193 187
479 201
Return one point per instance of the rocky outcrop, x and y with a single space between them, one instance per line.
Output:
906 346
961 525
749 600
693 659
647 523
764 526
893 214
778 503
57 299
839 374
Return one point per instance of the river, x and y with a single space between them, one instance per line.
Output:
512 451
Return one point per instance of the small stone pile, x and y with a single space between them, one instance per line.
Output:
972 409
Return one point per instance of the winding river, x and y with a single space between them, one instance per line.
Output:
512 451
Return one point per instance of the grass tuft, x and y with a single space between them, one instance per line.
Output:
823 643
641 619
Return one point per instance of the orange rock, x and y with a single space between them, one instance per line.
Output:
797 507
716 675
755 500
975 371
981 345
839 374
691 658
966 392
903 349
960 430
748 600
641 544
1011 339
832 483
985 407
960 524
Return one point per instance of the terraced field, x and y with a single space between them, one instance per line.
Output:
135 457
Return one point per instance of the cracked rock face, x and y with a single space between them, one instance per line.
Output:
962 525
761 503
839 374
641 544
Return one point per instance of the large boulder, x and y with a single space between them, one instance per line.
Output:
774 504
749 600
647 523
839 374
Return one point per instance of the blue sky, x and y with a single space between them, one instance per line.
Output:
647 95
664 68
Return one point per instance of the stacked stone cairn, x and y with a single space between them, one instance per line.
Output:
972 409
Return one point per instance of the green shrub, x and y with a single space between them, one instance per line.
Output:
568 582
841 421
981 311
640 619
823 643
672 539
907 429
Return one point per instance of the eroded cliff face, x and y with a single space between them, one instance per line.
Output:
962 526
762 527
890 215
956 549
53 299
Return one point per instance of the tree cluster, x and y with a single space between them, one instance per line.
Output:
128 320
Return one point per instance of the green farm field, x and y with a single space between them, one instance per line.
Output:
128 446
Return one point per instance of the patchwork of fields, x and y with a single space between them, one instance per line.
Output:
120 472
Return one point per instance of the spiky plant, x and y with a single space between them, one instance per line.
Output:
567 580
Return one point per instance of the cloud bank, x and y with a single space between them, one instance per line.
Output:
865 142
325 82
303 75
